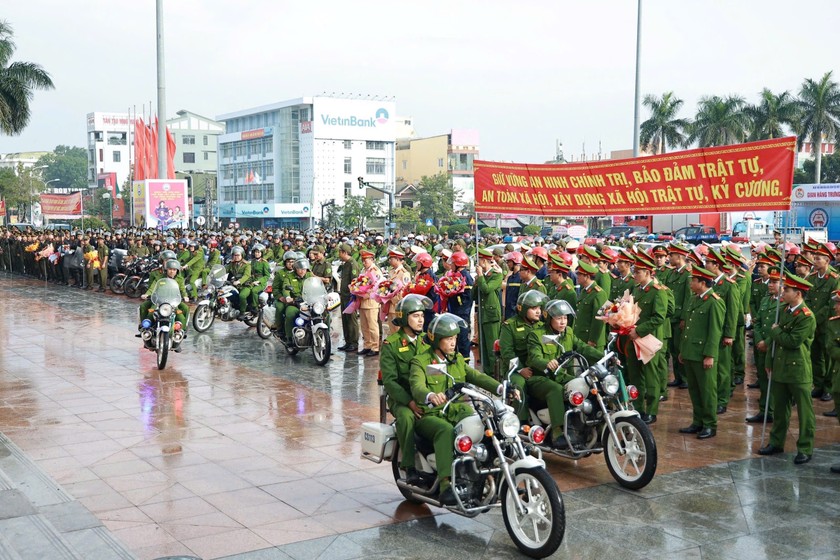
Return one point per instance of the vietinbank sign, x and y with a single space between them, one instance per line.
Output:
353 119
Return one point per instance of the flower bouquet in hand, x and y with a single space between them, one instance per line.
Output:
31 248
622 316
449 285
92 258
45 253
383 292
360 288
419 286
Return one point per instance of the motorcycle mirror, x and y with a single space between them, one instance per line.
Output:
436 369
550 338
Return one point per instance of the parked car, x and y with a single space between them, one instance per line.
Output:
697 234
616 232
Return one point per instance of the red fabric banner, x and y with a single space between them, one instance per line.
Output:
61 205
139 150
170 155
752 176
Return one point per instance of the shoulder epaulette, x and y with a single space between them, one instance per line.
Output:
614 276
834 275
659 286
834 318
758 280
806 311
598 288
714 295
730 280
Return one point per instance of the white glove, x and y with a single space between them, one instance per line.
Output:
144 296
747 320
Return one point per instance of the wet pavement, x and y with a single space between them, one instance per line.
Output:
239 450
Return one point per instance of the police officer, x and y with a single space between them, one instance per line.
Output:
791 375
348 270
623 279
320 267
488 281
591 298
260 273
825 282
763 318
677 281
293 291
182 315
726 288
562 286
512 282
513 343
239 272
699 351
394 362
194 266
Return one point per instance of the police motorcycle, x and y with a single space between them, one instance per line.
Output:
312 325
599 417
160 333
216 300
137 282
493 467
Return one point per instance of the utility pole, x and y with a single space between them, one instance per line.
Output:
364 184
161 94
638 65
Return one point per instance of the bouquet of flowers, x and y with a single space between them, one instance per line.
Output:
622 316
420 286
359 288
384 291
92 257
31 248
45 253
449 285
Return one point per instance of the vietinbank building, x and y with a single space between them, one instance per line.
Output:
279 163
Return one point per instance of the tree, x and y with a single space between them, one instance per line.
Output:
358 209
467 209
719 121
66 167
436 198
20 188
18 80
332 217
819 102
663 128
772 114
407 218
829 170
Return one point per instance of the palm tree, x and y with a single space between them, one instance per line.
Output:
18 80
719 121
820 106
772 113
663 128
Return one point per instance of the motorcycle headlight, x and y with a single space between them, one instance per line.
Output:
509 425
610 384
319 308
165 310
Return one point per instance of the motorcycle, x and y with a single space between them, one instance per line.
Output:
128 267
161 333
493 467
312 325
216 300
599 417
136 285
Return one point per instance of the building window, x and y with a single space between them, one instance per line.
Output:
371 145
375 166
440 162
405 164
101 156
347 144
117 138
188 139
117 157
348 167
206 141
206 156
347 189
189 157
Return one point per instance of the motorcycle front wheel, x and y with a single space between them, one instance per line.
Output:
203 318
252 321
131 287
538 532
263 330
117 283
321 346
634 469
162 349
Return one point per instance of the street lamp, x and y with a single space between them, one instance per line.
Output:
365 184
330 202
32 194
111 208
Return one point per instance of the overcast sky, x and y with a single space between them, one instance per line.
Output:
525 74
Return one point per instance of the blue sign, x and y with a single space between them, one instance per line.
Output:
429 222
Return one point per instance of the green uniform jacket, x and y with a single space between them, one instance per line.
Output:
260 271
293 285
620 284
323 269
280 276
728 292
604 279
677 281
653 303
103 252
539 353
818 298
669 312
347 272
703 327
832 344
534 284
215 258
395 363
184 257
758 289
486 292
744 286
587 327
196 262
793 337
763 319
513 341
154 285
423 384
239 271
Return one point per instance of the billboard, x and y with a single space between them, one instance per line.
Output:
166 203
61 206
352 119
269 210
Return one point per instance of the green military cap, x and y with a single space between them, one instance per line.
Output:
346 248
773 254
527 262
498 251
700 272
734 255
558 263
716 256
482 252
510 247
797 283
677 247
587 268
319 249
592 253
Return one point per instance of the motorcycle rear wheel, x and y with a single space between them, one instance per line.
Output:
321 347
540 531
117 283
162 349
634 469
203 318
131 287
263 330
400 474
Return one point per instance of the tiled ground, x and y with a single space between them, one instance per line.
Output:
236 447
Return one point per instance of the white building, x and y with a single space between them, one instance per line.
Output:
26 159
196 141
109 143
279 163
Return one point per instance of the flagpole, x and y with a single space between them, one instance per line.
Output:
161 95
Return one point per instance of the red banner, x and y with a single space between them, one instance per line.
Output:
3 208
753 176
67 206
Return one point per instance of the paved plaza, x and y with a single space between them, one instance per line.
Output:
237 450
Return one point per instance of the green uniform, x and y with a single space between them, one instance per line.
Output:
567 293
280 276
667 335
619 284
587 327
677 282
763 318
293 288
184 257
394 362
701 338
436 426
729 293
739 344
513 337
604 279
239 273
545 386
534 284
486 293
818 299
653 303
832 340
193 269
792 377
323 269
183 309
347 271
260 273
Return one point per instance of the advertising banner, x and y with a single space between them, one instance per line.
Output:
66 206
166 203
138 196
352 119
816 194
752 176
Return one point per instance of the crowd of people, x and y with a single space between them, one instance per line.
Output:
400 295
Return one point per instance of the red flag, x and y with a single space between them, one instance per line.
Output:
170 155
139 150
153 152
